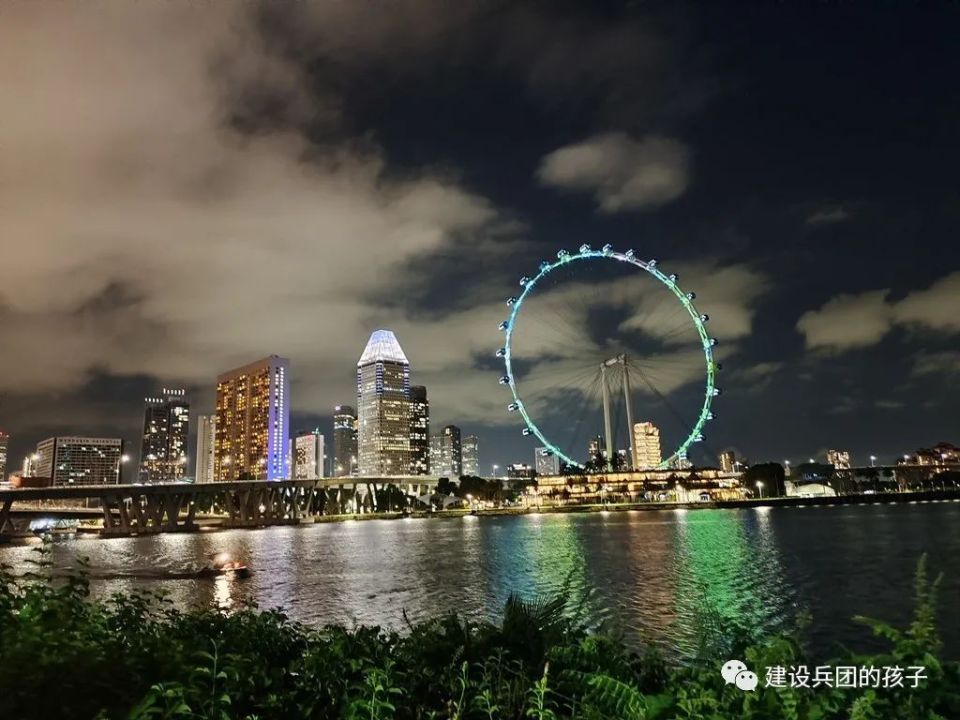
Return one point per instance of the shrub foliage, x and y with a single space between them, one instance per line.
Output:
63 655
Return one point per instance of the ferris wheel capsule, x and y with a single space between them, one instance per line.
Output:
584 248
652 263
504 324
524 281
717 391
628 254
673 277
562 254
691 296
544 266
511 301
713 342
504 379
607 249
704 318
513 407
502 352
525 431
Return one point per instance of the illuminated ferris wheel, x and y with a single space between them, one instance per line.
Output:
594 320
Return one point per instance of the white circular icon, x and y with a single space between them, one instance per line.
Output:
730 670
747 680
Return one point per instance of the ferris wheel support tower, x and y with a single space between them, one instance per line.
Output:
620 359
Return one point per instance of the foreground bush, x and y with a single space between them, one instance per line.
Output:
65 656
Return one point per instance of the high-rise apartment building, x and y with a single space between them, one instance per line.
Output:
646 446
419 431
206 441
253 422
344 441
383 407
546 462
471 455
451 453
728 461
4 446
308 455
80 460
840 459
166 425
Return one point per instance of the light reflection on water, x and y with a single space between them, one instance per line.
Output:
667 577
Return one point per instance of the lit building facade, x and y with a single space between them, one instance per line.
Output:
546 462
383 407
471 455
646 446
206 440
840 459
252 434
436 454
4 448
344 441
451 453
419 431
728 459
80 460
520 471
163 450
308 455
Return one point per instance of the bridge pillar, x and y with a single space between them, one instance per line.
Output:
6 526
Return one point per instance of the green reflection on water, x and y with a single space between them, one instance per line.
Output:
730 584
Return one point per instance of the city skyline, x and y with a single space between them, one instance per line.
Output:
417 202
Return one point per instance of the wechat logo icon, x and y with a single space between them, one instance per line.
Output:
734 672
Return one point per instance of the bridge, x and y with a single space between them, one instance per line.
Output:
176 507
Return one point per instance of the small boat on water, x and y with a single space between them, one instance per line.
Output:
223 564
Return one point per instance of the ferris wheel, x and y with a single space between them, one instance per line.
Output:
595 319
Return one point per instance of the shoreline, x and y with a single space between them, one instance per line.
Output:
211 524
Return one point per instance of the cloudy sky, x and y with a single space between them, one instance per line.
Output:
185 187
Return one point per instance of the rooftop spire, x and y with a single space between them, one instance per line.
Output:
382 346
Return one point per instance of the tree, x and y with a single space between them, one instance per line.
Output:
770 474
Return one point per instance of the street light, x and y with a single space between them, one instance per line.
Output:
760 488
873 460
495 468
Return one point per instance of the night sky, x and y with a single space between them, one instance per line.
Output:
187 187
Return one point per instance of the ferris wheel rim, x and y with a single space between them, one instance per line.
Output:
670 282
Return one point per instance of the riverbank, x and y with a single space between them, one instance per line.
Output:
785 502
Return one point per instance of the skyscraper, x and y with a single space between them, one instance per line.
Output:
451 454
471 455
419 431
646 445
308 455
383 407
840 459
253 421
344 441
436 454
163 450
728 460
546 462
206 441
4 444
80 460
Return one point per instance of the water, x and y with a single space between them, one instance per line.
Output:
663 577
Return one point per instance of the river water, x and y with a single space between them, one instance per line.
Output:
666 577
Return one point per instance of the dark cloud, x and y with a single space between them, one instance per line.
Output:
190 186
